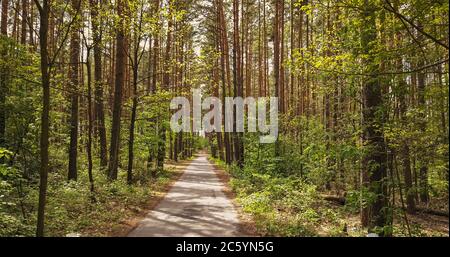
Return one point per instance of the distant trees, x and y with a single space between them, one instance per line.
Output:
118 75
353 78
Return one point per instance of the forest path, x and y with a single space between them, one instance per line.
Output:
194 206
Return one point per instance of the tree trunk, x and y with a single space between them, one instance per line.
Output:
4 18
276 62
281 61
423 170
89 143
155 54
404 152
260 65
98 106
31 31
154 77
292 47
73 76
404 148
216 94
236 81
265 54
225 73
374 162
23 33
118 84
166 84
44 11
4 32
132 123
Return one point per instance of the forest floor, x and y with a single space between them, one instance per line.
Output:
199 201
431 224
334 218
420 224
196 205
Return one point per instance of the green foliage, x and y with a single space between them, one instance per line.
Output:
20 68
70 205
281 206
11 199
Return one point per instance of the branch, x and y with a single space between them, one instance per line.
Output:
381 73
65 35
27 20
38 5
402 17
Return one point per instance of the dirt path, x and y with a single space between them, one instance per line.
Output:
194 206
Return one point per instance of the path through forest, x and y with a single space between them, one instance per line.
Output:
194 206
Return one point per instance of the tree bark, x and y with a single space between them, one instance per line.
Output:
98 94
423 170
374 162
23 33
276 62
89 142
404 147
237 79
44 11
4 32
4 18
166 84
225 72
74 81
121 47
155 50
132 123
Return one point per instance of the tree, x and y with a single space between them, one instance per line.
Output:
4 18
237 83
4 33
276 60
161 154
44 11
73 76
423 171
98 80
135 60
404 148
24 25
90 120
374 162
121 54
225 72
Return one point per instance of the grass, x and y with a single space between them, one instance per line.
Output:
71 211
285 206
282 206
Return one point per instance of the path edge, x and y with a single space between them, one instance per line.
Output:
246 225
125 227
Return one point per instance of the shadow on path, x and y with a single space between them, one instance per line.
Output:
194 206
